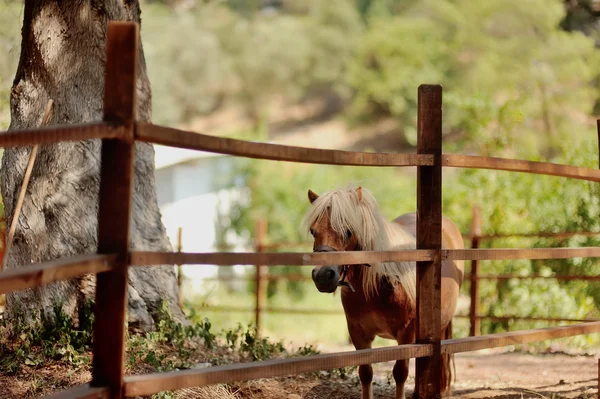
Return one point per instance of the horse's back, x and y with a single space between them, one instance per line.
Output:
452 271
451 235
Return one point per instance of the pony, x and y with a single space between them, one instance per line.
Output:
378 299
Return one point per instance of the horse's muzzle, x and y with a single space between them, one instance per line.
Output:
326 278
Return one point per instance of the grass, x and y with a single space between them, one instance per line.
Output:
315 329
330 331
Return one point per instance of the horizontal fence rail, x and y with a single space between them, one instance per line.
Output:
558 235
517 337
277 259
515 165
39 274
168 381
482 237
532 318
145 258
151 383
511 253
82 392
55 134
536 276
196 141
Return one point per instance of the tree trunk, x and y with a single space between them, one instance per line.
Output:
63 58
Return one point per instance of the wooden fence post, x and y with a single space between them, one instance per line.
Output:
429 236
475 233
180 268
598 130
260 277
116 176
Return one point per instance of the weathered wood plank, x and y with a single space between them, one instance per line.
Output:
195 141
55 134
429 236
560 277
82 392
517 337
149 258
44 273
115 206
142 258
516 165
147 384
549 319
559 235
261 274
513 253
475 322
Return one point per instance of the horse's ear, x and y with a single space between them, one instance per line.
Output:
359 193
312 196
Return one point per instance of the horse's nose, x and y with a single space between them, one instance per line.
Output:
330 275
326 278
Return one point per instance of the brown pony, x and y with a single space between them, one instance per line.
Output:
378 299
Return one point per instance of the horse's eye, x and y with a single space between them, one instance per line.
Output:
312 232
348 234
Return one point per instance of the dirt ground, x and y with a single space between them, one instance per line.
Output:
517 375
484 374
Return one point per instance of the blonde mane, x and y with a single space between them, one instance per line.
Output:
373 232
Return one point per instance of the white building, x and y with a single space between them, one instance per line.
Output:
189 197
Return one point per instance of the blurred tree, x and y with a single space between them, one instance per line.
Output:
501 63
217 56
582 16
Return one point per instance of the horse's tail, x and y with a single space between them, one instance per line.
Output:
446 366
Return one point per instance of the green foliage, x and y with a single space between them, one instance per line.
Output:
503 65
214 55
525 203
252 346
156 348
57 339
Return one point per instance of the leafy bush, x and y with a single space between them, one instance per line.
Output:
511 77
526 203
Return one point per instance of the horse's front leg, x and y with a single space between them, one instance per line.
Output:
365 371
400 371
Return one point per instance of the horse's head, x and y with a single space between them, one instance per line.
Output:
333 223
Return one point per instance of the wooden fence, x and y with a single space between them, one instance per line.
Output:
474 236
120 130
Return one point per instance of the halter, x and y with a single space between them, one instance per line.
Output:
341 283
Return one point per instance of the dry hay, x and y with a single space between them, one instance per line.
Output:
210 392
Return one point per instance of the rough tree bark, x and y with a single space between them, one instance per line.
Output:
63 58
